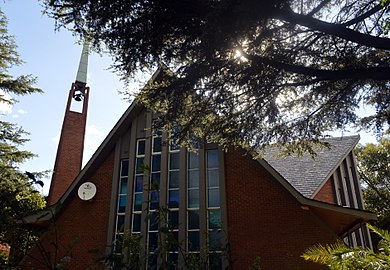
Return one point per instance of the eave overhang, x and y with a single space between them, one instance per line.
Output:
41 219
340 219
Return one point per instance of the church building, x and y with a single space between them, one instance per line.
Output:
143 202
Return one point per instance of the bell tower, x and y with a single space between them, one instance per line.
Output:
71 145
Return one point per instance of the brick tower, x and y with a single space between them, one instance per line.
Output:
71 145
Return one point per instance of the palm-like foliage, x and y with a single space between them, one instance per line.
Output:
341 256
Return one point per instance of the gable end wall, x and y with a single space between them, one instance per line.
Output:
82 226
327 192
265 221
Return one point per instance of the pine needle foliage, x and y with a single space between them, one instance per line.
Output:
247 73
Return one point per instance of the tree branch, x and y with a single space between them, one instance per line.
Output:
318 8
364 16
375 73
340 31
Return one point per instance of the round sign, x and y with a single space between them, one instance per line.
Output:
87 191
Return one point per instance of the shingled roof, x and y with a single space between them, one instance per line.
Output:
306 174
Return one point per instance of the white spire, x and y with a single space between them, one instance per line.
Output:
83 65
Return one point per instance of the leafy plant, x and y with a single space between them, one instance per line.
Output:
340 256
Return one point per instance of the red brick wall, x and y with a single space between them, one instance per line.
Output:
69 155
82 226
264 220
327 193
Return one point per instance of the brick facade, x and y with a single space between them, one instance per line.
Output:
81 227
327 193
70 148
264 220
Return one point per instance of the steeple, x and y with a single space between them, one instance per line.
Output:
83 65
71 145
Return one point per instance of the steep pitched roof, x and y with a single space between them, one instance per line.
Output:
341 219
306 174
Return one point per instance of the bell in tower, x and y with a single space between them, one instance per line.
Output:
71 145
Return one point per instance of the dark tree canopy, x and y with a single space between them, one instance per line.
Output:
18 197
248 72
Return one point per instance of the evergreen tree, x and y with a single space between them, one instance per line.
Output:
247 72
18 197
374 169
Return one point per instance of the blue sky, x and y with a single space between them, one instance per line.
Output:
53 58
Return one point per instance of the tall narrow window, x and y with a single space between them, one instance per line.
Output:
154 190
121 205
214 224
173 199
138 187
193 226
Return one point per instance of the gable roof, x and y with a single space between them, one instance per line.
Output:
339 218
307 174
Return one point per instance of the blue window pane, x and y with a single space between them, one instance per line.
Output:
174 179
213 178
174 144
193 160
215 240
193 179
213 199
174 161
173 199
155 181
156 144
123 186
215 261
138 183
156 163
157 131
141 148
138 202
154 200
173 240
173 219
152 261
193 241
193 198
173 261
214 219
122 204
139 164
153 241
193 220
212 159
137 223
125 168
153 221
120 223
